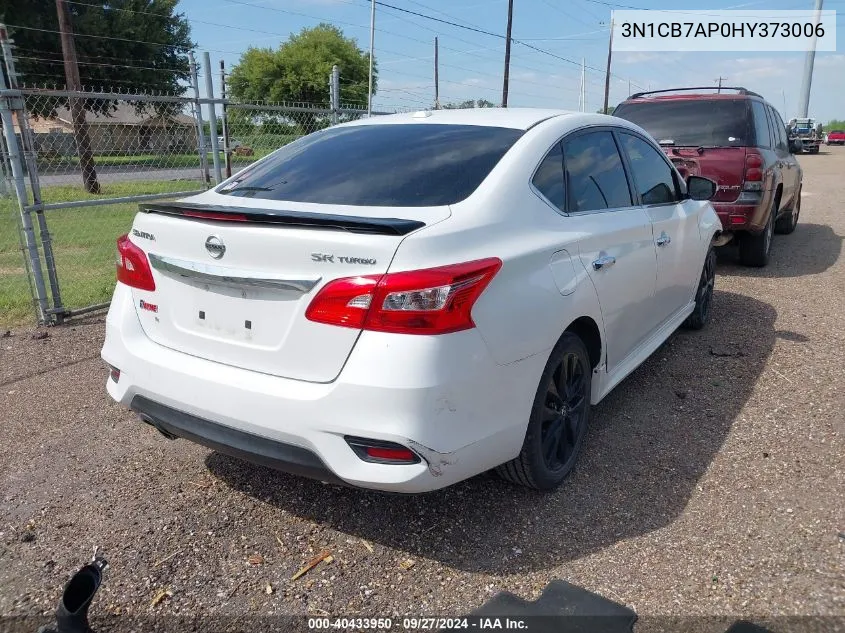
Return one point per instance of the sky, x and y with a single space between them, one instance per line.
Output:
566 32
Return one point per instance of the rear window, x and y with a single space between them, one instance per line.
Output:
405 165
707 123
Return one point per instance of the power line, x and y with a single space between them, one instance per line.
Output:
109 65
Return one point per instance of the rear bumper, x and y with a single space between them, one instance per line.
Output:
443 397
254 448
737 217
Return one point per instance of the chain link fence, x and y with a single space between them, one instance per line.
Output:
75 165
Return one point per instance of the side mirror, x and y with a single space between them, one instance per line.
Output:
795 146
700 188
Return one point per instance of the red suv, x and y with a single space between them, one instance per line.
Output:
737 139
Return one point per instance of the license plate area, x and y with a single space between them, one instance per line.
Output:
250 316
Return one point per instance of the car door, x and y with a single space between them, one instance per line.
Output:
674 224
617 248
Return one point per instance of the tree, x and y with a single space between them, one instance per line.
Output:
834 124
298 70
141 41
478 103
146 50
610 110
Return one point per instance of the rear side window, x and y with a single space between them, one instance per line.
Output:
549 178
692 123
651 173
595 177
782 141
761 125
405 165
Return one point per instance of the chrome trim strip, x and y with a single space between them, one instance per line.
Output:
228 276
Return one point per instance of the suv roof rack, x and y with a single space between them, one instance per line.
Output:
739 89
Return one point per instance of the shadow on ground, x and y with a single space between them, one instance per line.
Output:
810 250
650 442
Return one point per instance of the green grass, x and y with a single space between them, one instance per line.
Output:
83 245
158 161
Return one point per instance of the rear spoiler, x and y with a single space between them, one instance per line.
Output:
221 213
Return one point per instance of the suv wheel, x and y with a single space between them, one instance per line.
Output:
787 223
558 421
754 247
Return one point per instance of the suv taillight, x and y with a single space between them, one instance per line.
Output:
753 171
133 267
429 301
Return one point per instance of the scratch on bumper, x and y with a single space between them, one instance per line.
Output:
436 461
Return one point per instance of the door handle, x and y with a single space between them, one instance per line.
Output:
601 262
664 239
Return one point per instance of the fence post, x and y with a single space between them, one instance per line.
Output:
212 118
195 82
226 150
6 107
31 156
335 94
5 173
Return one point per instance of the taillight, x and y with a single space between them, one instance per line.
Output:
753 172
381 452
133 267
429 301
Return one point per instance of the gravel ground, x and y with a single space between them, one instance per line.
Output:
712 481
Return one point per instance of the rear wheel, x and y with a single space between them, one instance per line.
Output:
704 294
754 248
558 421
788 222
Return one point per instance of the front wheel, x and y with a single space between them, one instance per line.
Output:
558 421
704 294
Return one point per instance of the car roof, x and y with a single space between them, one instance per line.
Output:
515 118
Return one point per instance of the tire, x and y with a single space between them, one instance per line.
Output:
703 294
557 425
787 223
754 248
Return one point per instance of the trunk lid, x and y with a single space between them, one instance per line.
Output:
233 283
724 165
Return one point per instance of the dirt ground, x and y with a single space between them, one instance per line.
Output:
712 480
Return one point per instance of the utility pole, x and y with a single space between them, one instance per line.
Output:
372 46
436 76
582 94
607 74
507 56
809 61
77 106
227 154
720 79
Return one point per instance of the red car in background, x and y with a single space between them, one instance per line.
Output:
835 137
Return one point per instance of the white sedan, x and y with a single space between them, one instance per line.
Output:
406 301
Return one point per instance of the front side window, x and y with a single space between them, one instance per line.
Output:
403 165
549 178
595 177
651 173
